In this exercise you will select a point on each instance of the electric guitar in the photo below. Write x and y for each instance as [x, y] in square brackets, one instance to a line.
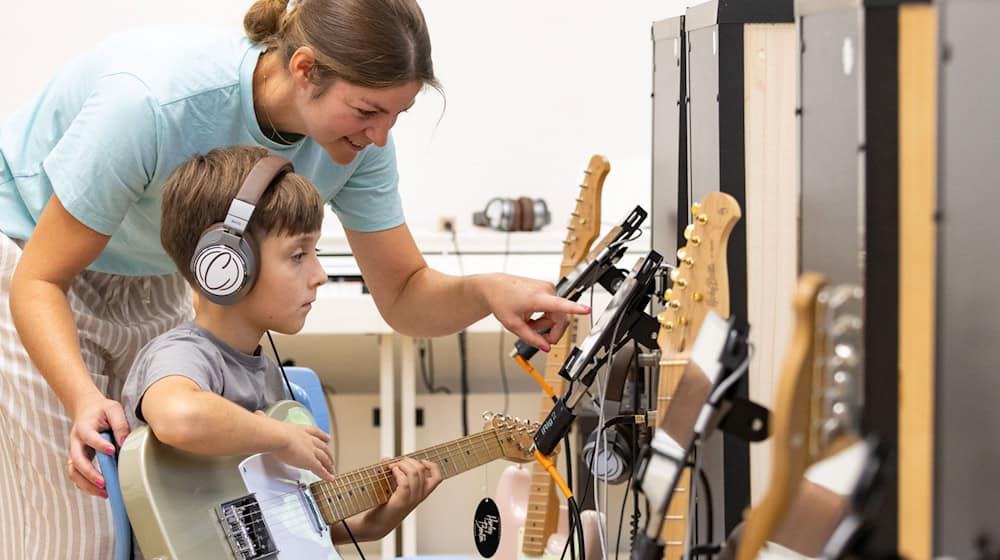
[700, 284]
[192, 507]
[817, 417]
[533, 509]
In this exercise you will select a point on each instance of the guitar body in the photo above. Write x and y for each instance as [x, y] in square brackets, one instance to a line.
[194, 507]
[512, 495]
[172, 498]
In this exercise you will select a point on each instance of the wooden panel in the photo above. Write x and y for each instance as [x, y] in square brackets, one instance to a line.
[772, 204]
[917, 242]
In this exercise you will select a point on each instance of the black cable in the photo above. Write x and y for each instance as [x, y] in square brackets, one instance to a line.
[428, 378]
[274, 349]
[708, 504]
[353, 540]
[621, 517]
[464, 376]
[569, 484]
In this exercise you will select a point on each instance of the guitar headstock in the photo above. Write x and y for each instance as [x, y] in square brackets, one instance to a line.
[585, 220]
[838, 379]
[700, 281]
[818, 404]
[515, 436]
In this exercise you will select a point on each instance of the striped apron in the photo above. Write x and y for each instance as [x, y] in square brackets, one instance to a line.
[42, 514]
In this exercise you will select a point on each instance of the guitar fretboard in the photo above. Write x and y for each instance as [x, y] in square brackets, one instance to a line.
[362, 489]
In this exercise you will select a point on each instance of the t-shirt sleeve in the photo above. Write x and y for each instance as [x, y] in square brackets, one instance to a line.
[369, 200]
[107, 155]
[168, 358]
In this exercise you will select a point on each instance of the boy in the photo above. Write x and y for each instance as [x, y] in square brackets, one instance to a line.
[198, 385]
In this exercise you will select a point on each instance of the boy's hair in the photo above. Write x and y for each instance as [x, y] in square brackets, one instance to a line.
[199, 191]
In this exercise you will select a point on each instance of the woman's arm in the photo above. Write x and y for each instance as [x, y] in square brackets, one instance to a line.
[184, 416]
[419, 301]
[59, 249]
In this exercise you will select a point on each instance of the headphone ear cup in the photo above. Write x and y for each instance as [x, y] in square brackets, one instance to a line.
[223, 265]
[616, 465]
[527, 213]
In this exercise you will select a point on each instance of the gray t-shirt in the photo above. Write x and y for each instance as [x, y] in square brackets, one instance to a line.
[189, 350]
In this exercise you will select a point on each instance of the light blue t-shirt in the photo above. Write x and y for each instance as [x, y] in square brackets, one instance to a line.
[109, 128]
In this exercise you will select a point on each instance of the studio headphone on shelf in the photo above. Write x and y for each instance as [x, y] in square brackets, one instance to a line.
[225, 262]
[514, 214]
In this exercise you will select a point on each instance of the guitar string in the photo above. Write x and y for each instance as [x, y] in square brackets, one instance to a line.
[437, 452]
[381, 479]
[294, 507]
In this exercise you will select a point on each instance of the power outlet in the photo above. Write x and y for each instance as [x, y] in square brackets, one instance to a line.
[446, 223]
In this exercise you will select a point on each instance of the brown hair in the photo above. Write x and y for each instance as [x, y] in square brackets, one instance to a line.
[199, 191]
[369, 43]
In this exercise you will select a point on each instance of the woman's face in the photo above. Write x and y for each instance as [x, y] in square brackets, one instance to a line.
[346, 118]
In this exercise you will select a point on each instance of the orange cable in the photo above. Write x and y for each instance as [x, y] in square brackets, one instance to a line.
[534, 373]
[549, 466]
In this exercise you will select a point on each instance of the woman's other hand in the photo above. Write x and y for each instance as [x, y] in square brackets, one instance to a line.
[91, 417]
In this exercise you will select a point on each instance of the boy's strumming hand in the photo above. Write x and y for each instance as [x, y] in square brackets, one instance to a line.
[306, 447]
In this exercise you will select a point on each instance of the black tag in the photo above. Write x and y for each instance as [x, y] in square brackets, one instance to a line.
[486, 528]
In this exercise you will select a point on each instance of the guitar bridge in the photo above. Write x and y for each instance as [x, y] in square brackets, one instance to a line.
[243, 523]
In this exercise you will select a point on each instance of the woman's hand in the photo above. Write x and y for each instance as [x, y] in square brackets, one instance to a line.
[415, 480]
[92, 416]
[514, 301]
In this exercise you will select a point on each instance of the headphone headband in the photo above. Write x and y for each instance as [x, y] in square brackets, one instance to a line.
[266, 172]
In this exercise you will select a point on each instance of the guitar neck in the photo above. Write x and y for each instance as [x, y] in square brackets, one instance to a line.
[675, 524]
[362, 489]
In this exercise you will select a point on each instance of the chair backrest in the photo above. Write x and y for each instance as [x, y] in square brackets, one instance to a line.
[314, 399]
[119, 518]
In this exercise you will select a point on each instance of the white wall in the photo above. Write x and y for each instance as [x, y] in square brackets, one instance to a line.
[533, 89]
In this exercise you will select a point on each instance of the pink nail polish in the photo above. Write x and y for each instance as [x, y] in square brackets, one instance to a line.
[100, 483]
[109, 450]
[122, 442]
[103, 494]
[544, 348]
[587, 309]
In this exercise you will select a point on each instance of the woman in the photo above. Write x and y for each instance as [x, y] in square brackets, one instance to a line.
[320, 82]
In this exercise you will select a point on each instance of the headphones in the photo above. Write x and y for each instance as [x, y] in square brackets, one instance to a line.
[514, 214]
[225, 261]
[615, 463]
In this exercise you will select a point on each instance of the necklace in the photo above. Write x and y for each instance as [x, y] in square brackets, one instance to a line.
[273, 134]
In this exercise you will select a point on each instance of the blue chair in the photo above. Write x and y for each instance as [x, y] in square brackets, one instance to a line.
[306, 389]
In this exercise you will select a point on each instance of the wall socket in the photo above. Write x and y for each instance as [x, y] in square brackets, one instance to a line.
[446, 223]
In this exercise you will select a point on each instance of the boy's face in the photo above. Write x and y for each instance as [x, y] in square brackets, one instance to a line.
[290, 273]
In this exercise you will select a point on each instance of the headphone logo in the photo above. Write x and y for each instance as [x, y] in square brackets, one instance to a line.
[220, 270]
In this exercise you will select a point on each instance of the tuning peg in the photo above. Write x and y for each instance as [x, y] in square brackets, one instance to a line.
[702, 219]
[675, 274]
[681, 283]
[487, 416]
[688, 231]
[688, 261]
[681, 253]
[696, 209]
[695, 240]
[667, 294]
[674, 304]
[697, 296]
